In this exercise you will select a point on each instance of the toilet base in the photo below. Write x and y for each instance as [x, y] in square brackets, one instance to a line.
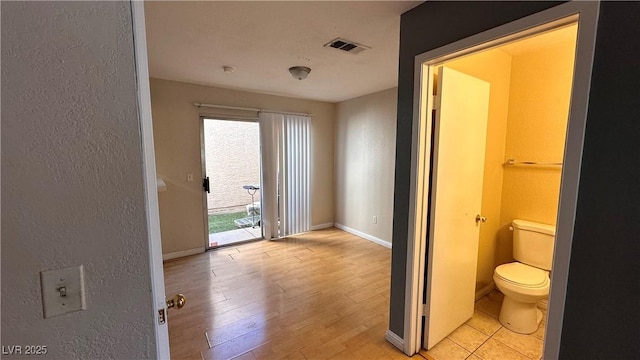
[523, 318]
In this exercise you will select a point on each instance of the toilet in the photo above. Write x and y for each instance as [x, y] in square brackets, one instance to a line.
[526, 281]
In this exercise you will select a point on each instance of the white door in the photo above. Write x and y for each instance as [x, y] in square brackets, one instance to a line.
[158, 309]
[462, 107]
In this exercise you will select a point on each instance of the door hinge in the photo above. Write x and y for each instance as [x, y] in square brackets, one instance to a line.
[434, 104]
[425, 310]
[162, 316]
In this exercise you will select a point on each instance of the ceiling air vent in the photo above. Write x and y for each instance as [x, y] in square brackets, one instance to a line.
[346, 45]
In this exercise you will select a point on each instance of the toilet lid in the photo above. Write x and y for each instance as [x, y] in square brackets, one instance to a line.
[523, 275]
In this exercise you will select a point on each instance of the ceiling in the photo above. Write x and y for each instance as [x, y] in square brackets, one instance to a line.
[191, 42]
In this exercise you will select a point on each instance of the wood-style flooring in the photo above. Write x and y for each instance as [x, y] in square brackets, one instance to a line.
[320, 295]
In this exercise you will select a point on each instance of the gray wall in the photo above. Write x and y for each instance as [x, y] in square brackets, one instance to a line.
[72, 179]
[427, 27]
[601, 316]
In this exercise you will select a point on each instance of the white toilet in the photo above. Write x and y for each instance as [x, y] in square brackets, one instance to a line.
[526, 281]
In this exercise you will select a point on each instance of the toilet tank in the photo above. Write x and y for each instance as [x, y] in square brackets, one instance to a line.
[533, 243]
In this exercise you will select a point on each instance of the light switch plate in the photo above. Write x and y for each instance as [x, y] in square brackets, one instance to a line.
[62, 291]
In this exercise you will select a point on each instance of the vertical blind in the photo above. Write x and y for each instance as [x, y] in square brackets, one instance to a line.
[285, 180]
[269, 143]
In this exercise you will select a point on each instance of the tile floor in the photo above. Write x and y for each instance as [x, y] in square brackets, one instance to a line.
[234, 236]
[483, 337]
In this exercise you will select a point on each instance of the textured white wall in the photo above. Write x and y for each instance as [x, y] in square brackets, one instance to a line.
[72, 179]
[232, 152]
[365, 162]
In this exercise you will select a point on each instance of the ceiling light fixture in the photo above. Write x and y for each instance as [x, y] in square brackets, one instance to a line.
[299, 72]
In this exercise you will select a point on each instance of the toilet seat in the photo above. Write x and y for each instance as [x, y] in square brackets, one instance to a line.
[522, 275]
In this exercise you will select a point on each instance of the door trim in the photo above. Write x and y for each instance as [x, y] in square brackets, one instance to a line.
[152, 209]
[205, 207]
[586, 15]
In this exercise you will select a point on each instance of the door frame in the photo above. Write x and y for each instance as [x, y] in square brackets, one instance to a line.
[205, 207]
[152, 210]
[586, 15]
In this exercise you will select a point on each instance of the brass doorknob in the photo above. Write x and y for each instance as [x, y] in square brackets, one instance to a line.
[177, 301]
[480, 218]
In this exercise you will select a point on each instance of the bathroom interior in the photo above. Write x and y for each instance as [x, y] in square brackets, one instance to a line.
[530, 89]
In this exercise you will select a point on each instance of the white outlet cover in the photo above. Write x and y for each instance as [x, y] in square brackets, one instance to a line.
[71, 281]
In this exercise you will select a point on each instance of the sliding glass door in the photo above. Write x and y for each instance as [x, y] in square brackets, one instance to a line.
[231, 164]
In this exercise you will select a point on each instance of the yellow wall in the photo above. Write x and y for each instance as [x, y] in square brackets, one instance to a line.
[176, 129]
[492, 66]
[528, 112]
[536, 129]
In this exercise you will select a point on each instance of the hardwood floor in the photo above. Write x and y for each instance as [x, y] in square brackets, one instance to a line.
[320, 295]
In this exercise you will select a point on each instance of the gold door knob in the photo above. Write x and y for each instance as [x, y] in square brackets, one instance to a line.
[177, 301]
[480, 218]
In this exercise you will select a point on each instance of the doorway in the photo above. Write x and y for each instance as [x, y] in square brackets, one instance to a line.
[231, 166]
[425, 166]
[499, 138]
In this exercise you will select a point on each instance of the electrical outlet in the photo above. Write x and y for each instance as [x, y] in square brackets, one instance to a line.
[375, 219]
[189, 176]
[62, 291]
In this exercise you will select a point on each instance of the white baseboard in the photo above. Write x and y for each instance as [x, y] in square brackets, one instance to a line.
[363, 235]
[395, 340]
[321, 226]
[183, 253]
[485, 290]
